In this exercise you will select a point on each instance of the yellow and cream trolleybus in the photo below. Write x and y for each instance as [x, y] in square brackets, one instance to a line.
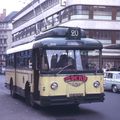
[60, 67]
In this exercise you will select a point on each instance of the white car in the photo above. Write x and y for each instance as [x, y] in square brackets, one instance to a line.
[112, 80]
[3, 70]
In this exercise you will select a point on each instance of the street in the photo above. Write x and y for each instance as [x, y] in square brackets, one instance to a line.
[16, 109]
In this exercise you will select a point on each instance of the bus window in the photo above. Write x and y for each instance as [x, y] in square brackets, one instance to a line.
[78, 60]
[44, 62]
[58, 59]
[54, 61]
[93, 60]
[29, 63]
[62, 61]
[71, 60]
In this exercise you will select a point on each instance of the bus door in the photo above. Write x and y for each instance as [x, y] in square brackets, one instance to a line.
[36, 73]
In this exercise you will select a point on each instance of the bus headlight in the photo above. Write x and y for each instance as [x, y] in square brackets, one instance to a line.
[54, 86]
[96, 84]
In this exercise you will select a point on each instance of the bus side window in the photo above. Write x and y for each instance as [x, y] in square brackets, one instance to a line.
[30, 63]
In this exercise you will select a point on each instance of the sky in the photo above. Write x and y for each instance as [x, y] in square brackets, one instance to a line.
[12, 5]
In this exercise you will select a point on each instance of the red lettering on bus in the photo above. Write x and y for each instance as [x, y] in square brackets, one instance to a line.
[82, 78]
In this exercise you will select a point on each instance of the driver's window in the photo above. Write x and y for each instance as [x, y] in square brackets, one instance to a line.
[54, 59]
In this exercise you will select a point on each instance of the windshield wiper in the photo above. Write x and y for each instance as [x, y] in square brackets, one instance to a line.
[64, 68]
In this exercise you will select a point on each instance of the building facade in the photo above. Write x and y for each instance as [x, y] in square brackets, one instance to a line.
[99, 18]
[3, 15]
[5, 40]
[5, 37]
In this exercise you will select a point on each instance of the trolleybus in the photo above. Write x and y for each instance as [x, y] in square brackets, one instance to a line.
[60, 67]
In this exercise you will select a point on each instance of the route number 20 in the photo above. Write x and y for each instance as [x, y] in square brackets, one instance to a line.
[74, 33]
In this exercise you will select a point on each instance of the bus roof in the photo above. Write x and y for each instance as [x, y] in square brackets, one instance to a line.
[61, 31]
[20, 48]
[60, 37]
[84, 43]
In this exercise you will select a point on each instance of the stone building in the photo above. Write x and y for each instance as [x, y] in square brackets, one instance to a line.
[5, 36]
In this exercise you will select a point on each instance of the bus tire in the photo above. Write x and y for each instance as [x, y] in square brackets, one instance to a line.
[32, 103]
[28, 96]
[12, 91]
[114, 89]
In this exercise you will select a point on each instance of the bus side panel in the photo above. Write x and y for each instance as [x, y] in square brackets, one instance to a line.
[22, 77]
[9, 75]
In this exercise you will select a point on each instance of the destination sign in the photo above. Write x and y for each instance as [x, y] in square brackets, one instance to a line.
[74, 33]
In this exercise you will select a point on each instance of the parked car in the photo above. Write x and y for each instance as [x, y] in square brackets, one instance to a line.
[112, 81]
[2, 70]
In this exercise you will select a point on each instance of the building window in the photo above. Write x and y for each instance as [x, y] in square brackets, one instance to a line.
[33, 29]
[102, 13]
[49, 21]
[79, 12]
[38, 10]
[118, 35]
[65, 15]
[39, 25]
[103, 35]
[28, 31]
[35, 12]
[118, 14]
[43, 25]
[56, 19]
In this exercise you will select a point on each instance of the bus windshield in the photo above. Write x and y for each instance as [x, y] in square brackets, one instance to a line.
[70, 60]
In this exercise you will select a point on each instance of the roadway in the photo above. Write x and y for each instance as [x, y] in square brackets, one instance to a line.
[16, 109]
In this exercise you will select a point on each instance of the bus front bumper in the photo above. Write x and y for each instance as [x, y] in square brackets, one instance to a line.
[63, 100]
